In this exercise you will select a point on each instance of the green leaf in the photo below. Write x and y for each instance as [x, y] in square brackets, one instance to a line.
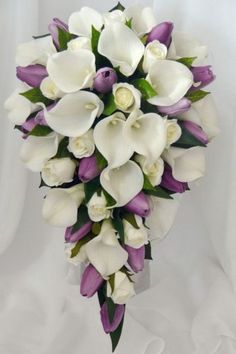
[78, 245]
[119, 6]
[188, 61]
[128, 23]
[115, 336]
[187, 140]
[155, 191]
[96, 228]
[110, 201]
[63, 38]
[40, 130]
[82, 218]
[131, 219]
[90, 188]
[195, 96]
[111, 309]
[101, 295]
[62, 149]
[42, 36]
[145, 88]
[110, 106]
[112, 282]
[148, 251]
[94, 40]
[101, 161]
[118, 224]
[35, 95]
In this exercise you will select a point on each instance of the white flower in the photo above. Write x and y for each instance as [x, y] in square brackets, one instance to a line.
[152, 169]
[58, 171]
[81, 257]
[36, 150]
[173, 132]
[79, 43]
[143, 18]
[61, 205]
[81, 22]
[154, 51]
[134, 237]
[36, 51]
[75, 113]
[116, 15]
[121, 46]
[123, 289]
[104, 251]
[82, 146]
[72, 71]
[50, 90]
[187, 164]
[126, 96]
[122, 183]
[171, 80]
[97, 208]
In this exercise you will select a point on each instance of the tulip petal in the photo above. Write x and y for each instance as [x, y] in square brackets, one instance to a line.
[81, 22]
[123, 183]
[143, 18]
[113, 45]
[171, 80]
[75, 113]
[108, 136]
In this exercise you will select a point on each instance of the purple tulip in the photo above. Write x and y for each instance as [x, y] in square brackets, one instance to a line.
[119, 314]
[53, 29]
[39, 119]
[139, 205]
[136, 258]
[195, 130]
[104, 80]
[178, 108]
[88, 169]
[170, 183]
[91, 281]
[32, 74]
[162, 33]
[202, 74]
[76, 236]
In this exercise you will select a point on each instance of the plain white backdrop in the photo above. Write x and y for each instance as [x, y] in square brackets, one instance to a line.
[190, 307]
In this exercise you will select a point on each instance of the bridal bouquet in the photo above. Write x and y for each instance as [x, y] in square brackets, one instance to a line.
[114, 117]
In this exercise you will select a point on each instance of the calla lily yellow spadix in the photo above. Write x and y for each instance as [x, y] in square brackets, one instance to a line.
[115, 119]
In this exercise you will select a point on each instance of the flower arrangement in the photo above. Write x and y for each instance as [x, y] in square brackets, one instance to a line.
[115, 119]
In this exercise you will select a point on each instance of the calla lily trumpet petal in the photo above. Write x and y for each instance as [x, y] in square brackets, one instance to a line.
[143, 18]
[81, 22]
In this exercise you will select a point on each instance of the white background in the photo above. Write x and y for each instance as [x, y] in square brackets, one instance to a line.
[191, 305]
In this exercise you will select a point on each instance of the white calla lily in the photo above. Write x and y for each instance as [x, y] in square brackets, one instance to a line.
[49, 89]
[72, 71]
[104, 251]
[146, 134]
[116, 15]
[153, 51]
[109, 139]
[173, 132]
[127, 98]
[81, 22]
[79, 43]
[143, 18]
[36, 150]
[113, 45]
[75, 113]
[122, 183]
[187, 164]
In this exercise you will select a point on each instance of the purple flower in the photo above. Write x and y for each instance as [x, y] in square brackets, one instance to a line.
[91, 281]
[139, 205]
[76, 236]
[53, 29]
[162, 33]
[118, 315]
[195, 130]
[88, 169]
[32, 74]
[178, 108]
[136, 258]
[202, 74]
[170, 183]
[39, 119]
[104, 80]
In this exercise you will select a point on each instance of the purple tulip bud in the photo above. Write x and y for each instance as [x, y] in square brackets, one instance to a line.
[202, 74]
[53, 29]
[195, 130]
[91, 281]
[170, 183]
[39, 119]
[178, 108]
[139, 205]
[162, 33]
[118, 315]
[76, 236]
[136, 258]
[104, 80]
[32, 74]
[88, 169]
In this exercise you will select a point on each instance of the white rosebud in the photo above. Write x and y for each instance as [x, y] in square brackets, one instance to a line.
[79, 43]
[97, 208]
[58, 171]
[154, 51]
[173, 132]
[134, 237]
[152, 169]
[116, 15]
[50, 90]
[82, 146]
[81, 257]
[123, 289]
[127, 97]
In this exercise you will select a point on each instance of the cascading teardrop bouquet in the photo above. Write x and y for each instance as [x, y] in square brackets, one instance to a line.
[114, 118]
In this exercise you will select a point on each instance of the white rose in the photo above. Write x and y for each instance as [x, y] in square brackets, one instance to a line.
[152, 169]
[82, 146]
[79, 43]
[135, 238]
[50, 90]
[81, 257]
[127, 97]
[154, 51]
[97, 208]
[58, 171]
[116, 15]
[123, 289]
[173, 132]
